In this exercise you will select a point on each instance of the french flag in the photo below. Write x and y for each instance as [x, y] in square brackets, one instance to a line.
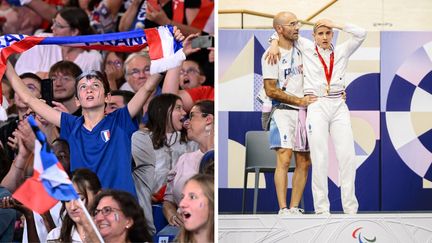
[49, 182]
[165, 51]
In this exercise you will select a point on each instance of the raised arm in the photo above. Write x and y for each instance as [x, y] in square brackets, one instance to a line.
[48, 113]
[143, 94]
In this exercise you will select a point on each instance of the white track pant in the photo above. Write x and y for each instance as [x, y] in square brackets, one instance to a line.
[330, 116]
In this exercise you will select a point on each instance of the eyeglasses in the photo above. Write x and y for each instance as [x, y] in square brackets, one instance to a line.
[189, 71]
[107, 210]
[55, 24]
[192, 115]
[116, 63]
[136, 72]
[63, 79]
[293, 24]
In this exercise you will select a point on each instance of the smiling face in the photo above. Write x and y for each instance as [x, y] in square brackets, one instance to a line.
[177, 115]
[195, 207]
[190, 75]
[137, 72]
[72, 207]
[323, 37]
[91, 93]
[111, 221]
[63, 86]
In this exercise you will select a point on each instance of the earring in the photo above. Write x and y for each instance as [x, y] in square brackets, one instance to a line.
[207, 130]
[127, 226]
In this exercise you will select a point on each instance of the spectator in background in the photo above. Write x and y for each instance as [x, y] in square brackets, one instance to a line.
[156, 149]
[117, 100]
[62, 151]
[142, 14]
[191, 74]
[137, 71]
[63, 75]
[114, 69]
[200, 130]
[18, 20]
[9, 94]
[87, 185]
[190, 96]
[40, 58]
[197, 207]
[33, 84]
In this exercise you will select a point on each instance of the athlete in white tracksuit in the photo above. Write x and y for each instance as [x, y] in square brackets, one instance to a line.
[329, 115]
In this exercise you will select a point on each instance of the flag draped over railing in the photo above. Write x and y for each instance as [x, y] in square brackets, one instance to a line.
[49, 183]
[164, 50]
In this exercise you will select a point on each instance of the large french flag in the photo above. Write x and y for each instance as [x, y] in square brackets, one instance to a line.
[165, 51]
[49, 182]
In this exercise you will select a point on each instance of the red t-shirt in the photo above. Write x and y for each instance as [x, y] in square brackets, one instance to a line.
[201, 93]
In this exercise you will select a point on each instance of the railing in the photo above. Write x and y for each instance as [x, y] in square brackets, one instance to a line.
[242, 12]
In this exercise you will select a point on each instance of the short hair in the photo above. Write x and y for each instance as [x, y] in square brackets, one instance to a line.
[65, 67]
[132, 56]
[94, 74]
[32, 76]
[126, 94]
[138, 232]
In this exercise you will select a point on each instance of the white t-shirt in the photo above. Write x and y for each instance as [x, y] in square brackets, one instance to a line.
[55, 234]
[288, 72]
[40, 58]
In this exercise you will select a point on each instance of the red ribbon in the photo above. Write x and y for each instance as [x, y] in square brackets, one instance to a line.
[328, 73]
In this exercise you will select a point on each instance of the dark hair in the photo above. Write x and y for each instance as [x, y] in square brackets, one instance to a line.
[32, 76]
[78, 19]
[93, 74]
[65, 67]
[159, 113]
[122, 56]
[206, 183]
[205, 106]
[84, 179]
[138, 232]
[207, 163]
[126, 94]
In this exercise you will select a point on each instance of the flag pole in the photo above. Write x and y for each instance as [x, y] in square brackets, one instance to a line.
[83, 207]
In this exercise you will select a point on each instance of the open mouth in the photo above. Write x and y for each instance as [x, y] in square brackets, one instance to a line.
[90, 98]
[186, 215]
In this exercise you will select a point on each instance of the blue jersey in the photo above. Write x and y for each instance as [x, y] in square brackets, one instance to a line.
[106, 149]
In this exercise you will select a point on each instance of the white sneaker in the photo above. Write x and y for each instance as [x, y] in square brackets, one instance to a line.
[284, 211]
[296, 211]
[325, 213]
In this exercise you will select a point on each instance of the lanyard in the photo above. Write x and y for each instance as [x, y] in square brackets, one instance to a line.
[328, 73]
[290, 68]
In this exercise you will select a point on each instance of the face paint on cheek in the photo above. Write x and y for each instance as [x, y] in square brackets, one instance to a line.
[116, 217]
[201, 205]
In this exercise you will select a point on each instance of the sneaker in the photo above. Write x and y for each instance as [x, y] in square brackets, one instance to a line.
[325, 213]
[296, 211]
[284, 212]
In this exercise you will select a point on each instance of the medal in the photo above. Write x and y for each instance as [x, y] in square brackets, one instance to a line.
[327, 92]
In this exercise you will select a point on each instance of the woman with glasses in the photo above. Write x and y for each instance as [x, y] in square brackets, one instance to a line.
[113, 64]
[156, 149]
[200, 130]
[197, 210]
[119, 218]
[87, 185]
[71, 21]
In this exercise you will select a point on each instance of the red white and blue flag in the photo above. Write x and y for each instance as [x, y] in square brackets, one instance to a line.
[164, 50]
[49, 182]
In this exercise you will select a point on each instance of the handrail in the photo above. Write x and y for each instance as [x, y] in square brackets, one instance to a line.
[254, 13]
[265, 15]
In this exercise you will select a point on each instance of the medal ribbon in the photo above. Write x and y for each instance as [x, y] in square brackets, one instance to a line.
[328, 73]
